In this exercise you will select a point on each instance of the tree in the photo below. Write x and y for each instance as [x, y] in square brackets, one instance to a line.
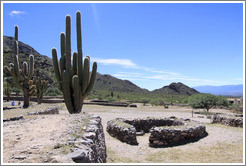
[206, 101]
[145, 101]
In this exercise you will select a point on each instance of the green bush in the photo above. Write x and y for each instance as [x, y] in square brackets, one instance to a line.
[110, 99]
[145, 100]
[52, 92]
[206, 101]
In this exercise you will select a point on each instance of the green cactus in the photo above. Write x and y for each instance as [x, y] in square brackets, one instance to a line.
[74, 79]
[21, 73]
[41, 86]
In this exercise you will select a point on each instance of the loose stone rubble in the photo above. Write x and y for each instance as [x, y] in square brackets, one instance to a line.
[164, 132]
[235, 121]
[51, 110]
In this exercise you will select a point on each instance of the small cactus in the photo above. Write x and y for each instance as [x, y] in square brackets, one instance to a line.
[41, 87]
[21, 73]
[74, 79]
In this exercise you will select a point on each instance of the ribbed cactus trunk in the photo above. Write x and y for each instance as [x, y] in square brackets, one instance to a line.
[21, 73]
[39, 100]
[74, 78]
[26, 99]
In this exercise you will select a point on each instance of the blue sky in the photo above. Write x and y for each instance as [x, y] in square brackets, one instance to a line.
[151, 45]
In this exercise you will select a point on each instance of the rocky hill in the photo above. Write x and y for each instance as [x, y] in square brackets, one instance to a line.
[110, 83]
[176, 89]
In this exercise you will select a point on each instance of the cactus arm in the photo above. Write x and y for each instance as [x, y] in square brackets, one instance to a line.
[76, 91]
[86, 73]
[79, 47]
[13, 73]
[7, 69]
[16, 32]
[93, 78]
[25, 69]
[56, 66]
[75, 63]
[16, 48]
[63, 44]
[68, 44]
[67, 91]
[31, 67]
[63, 54]
[16, 65]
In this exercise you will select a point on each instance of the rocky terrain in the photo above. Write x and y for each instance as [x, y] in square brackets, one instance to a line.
[34, 139]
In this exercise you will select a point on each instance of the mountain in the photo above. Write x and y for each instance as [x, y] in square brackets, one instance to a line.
[224, 90]
[176, 89]
[110, 83]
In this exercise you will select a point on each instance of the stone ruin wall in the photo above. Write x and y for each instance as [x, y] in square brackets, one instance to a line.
[228, 120]
[163, 132]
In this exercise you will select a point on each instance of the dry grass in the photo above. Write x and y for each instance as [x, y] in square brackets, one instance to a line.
[115, 158]
[220, 153]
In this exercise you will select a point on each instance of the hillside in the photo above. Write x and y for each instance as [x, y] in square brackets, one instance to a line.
[176, 89]
[110, 83]
[224, 90]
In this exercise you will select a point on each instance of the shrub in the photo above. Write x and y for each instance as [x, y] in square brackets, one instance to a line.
[206, 101]
[145, 101]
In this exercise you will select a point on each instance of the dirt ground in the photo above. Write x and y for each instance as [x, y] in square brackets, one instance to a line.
[32, 140]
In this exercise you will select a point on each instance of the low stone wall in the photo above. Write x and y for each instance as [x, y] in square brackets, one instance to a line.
[228, 120]
[176, 135]
[163, 132]
[91, 147]
[86, 142]
[122, 131]
[146, 124]
[13, 119]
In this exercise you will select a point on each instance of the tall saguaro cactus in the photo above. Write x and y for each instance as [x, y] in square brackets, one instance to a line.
[21, 73]
[74, 78]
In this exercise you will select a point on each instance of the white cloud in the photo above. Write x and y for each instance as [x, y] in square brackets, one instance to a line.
[16, 13]
[153, 74]
[122, 62]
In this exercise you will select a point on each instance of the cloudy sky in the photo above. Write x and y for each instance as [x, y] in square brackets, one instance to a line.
[150, 44]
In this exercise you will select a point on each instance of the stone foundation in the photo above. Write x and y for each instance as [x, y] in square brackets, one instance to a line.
[122, 131]
[190, 131]
[163, 132]
[228, 120]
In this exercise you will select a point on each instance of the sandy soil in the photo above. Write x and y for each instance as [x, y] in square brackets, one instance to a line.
[33, 139]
